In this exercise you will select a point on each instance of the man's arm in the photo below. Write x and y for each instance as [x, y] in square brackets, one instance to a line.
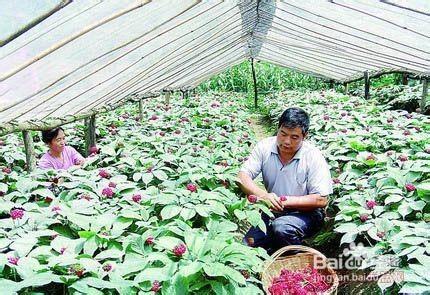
[249, 187]
[305, 203]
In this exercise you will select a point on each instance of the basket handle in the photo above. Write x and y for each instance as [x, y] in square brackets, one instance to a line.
[282, 250]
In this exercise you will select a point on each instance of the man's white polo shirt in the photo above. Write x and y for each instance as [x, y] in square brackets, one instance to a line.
[307, 173]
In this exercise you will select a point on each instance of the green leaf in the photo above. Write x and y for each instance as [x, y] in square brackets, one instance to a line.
[385, 281]
[39, 279]
[90, 246]
[423, 191]
[137, 176]
[111, 254]
[147, 178]
[187, 213]
[202, 210]
[348, 238]
[190, 269]
[156, 273]
[168, 242]
[347, 227]
[414, 288]
[417, 205]
[254, 217]
[44, 192]
[160, 174]
[23, 245]
[239, 214]
[404, 208]
[220, 270]
[86, 234]
[170, 211]
[393, 199]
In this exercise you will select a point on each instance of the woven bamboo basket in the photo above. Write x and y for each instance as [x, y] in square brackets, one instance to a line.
[302, 257]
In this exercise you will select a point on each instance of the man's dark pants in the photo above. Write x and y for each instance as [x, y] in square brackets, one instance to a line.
[287, 228]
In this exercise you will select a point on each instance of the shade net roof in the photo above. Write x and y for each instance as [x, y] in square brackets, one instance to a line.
[71, 58]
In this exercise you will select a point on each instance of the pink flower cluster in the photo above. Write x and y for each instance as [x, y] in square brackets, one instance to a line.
[370, 204]
[103, 173]
[136, 198]
[17, 213]
[179, 250]
[191, 187]
[252, 198]
[410, 187]
[107, 192]
[13, 260]
[300, 282]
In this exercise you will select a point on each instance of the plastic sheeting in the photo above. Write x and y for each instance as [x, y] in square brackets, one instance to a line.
[91, 54]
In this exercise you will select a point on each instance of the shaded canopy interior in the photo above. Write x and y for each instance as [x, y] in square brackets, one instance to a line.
[92, 55]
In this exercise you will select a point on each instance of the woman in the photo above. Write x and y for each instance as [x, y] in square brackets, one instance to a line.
[59, 155]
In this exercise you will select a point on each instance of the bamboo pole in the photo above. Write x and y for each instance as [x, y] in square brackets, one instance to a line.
[167, 97]
[90, 133]
[12, 126]
[366, 85]
[404, 78]
[345, 85]
[424, 97]
[140, 109]
[29, 150]
[254, 79]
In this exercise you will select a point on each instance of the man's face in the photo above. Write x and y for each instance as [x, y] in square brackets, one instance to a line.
[57, 144]
[289, 139]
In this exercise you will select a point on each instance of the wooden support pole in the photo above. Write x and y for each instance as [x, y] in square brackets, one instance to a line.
[29, 150]
[254, 79]
[424, 98]
[90, 133]
[167, 97]
[405, 79]
[345, 86]
[140, 109]
[366, 85]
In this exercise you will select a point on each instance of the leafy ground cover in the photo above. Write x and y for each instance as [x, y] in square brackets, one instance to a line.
[380, 162]
[155, 209]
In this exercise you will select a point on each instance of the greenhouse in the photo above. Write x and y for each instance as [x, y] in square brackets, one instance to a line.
[214, 147]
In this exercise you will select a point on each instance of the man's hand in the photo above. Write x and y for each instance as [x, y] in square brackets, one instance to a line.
[274, 201]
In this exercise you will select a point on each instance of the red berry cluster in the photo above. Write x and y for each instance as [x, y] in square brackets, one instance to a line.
[300, 282]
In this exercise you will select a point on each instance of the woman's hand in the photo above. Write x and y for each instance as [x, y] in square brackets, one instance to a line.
[79, 162]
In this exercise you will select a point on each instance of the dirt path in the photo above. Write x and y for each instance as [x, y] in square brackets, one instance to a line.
[258, 128]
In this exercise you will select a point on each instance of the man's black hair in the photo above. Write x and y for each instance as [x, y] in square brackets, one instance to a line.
[48, 135]
[295, 117]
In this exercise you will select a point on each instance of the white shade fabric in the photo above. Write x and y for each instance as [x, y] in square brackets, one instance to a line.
[92, 53]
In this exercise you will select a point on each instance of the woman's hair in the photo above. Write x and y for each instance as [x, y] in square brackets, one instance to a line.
[48, 135]
[295, 117]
